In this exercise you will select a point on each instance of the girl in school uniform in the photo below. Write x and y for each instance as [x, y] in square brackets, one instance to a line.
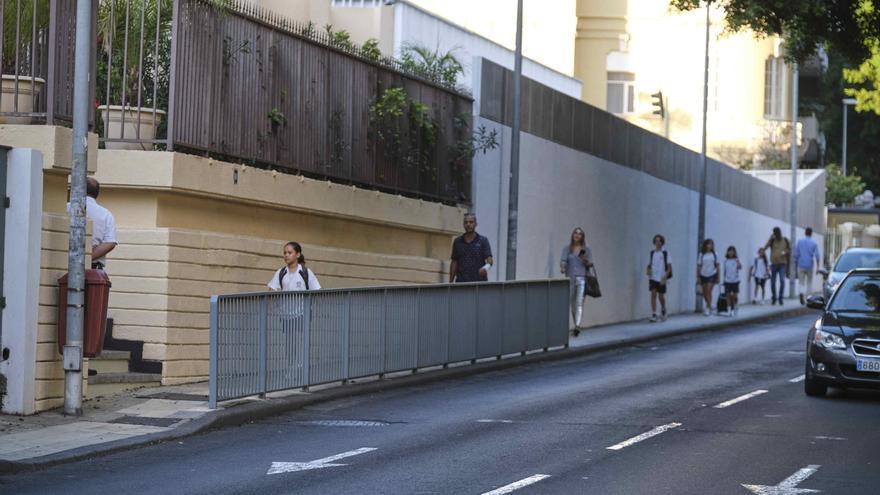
[732, 266]
[760, 273]
[294, 276]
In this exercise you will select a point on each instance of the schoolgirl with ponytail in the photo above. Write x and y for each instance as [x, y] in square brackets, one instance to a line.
[294, 275]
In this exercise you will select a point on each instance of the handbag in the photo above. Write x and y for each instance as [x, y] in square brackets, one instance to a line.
[591, 283]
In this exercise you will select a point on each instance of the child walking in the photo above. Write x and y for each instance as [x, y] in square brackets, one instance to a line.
[732, 266]
[659, 273]
[760, 272]
[707, 273]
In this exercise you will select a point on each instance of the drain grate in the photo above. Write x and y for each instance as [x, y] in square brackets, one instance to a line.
[343, 423]
[177, 396]
[145, 421]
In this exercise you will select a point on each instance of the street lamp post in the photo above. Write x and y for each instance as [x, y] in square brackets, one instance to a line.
[701, 222]
[513, 199]
[792, 276]
[846, 103]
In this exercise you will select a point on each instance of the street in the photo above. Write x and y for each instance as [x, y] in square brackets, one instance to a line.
[718, 413]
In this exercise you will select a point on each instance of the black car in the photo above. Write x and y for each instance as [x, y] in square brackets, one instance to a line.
[843, 347]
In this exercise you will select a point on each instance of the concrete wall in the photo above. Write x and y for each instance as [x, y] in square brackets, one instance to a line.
[190, 227]
[620, 209]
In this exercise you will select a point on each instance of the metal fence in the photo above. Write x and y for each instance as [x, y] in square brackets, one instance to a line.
[235, 81]
[264, 342]
[37, 42]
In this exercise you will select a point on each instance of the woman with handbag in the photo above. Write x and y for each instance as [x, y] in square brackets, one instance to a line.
[576, 262]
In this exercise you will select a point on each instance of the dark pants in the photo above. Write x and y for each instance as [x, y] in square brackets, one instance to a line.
[777, 270]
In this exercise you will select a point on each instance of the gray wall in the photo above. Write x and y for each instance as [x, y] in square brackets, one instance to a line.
[621, 207]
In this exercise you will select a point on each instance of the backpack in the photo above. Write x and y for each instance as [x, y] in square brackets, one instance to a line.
[665, 262]
[303, 274]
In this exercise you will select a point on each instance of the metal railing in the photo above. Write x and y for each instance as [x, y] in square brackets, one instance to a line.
[37, 39]
[238, 82]
[265, 342]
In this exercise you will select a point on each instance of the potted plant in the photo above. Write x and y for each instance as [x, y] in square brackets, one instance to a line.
[21, 85]
[132, 96]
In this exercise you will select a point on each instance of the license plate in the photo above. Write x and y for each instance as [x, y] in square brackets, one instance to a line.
[868, 365]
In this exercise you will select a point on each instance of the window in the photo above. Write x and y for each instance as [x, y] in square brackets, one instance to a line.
[358, 3]
[774, 88]
[621, 92]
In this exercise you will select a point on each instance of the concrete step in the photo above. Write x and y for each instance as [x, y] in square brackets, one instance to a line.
[104, 384]
[110, 362]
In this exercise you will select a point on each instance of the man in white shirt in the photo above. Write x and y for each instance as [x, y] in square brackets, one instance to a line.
[103, 225]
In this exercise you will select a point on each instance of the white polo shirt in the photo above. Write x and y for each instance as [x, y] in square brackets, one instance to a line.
[103, 225]
[293, 281]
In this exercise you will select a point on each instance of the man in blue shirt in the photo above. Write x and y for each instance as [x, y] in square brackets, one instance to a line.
[471, 254]
[805, 252]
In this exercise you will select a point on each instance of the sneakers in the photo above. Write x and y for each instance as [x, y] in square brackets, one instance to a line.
[802, 300]
[653, 318]
[707, 312]
[663, 316]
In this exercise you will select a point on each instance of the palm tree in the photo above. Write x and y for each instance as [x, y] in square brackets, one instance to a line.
[443, 68]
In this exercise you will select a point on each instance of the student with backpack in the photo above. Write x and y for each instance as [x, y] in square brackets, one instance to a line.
[760, 272]
[707, 273]
[732, 267]
[294, 276]
[659, 273]
[780, 252]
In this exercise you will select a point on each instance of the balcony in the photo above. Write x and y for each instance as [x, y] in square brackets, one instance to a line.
[224, 79]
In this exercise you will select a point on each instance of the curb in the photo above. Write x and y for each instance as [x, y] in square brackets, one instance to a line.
[244, 413]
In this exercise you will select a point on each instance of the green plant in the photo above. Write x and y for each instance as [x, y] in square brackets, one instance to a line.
[22, 15]
[480, 140]
[385, 114]
[370, 49]
[440, 67]
[840, 189]
[308, 30]
[276, 118]
[341, 39]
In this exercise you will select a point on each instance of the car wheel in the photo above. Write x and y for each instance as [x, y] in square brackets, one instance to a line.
[813, 387]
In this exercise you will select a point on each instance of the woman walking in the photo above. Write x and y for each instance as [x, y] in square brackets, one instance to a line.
[577, 257]
[707, 270]
[760, 273]
[732, 267]
[294, 276]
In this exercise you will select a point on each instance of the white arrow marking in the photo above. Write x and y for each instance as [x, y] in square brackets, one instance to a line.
[789, 485]
[740, 399]
[292, 467]
[516, 485]
[644, 436]
[798, 379]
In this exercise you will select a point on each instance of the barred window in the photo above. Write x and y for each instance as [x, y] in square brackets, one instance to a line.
[774, 88]
[620, 92]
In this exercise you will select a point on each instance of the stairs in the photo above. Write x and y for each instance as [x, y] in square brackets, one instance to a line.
[109, 374]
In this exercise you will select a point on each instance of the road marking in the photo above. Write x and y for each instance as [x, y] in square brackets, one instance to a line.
[841, 439]
[788, 485]
[292, 467]
[644, 436]
[798, 379]
[516, 485]
[739, 399]
[505, 421]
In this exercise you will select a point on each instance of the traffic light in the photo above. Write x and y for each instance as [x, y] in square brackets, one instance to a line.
[658, 103]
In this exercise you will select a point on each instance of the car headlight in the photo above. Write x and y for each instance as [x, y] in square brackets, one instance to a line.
[828, 340]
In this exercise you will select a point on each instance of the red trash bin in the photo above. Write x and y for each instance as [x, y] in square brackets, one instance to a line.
[95, 316]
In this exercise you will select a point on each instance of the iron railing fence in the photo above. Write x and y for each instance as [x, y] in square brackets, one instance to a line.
[232, 80]
[37, 44]
[265, 342]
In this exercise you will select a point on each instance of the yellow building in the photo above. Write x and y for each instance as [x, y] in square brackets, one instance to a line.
[627, 50]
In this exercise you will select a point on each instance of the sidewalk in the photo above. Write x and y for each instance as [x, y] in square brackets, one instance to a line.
[150, 415]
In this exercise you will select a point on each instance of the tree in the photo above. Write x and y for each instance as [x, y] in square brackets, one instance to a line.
[839, 189]
[850, 28]
[442, 68]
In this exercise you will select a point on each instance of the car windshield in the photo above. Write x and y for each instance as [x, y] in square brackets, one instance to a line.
[859, 293]
[855, 259]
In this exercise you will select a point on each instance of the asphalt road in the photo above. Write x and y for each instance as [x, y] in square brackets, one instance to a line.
[547, 426]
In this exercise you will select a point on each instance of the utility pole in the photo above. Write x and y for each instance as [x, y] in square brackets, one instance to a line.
[701, 222]
[73, 350]
[846, 103]
[513, 199]
[792, 275]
